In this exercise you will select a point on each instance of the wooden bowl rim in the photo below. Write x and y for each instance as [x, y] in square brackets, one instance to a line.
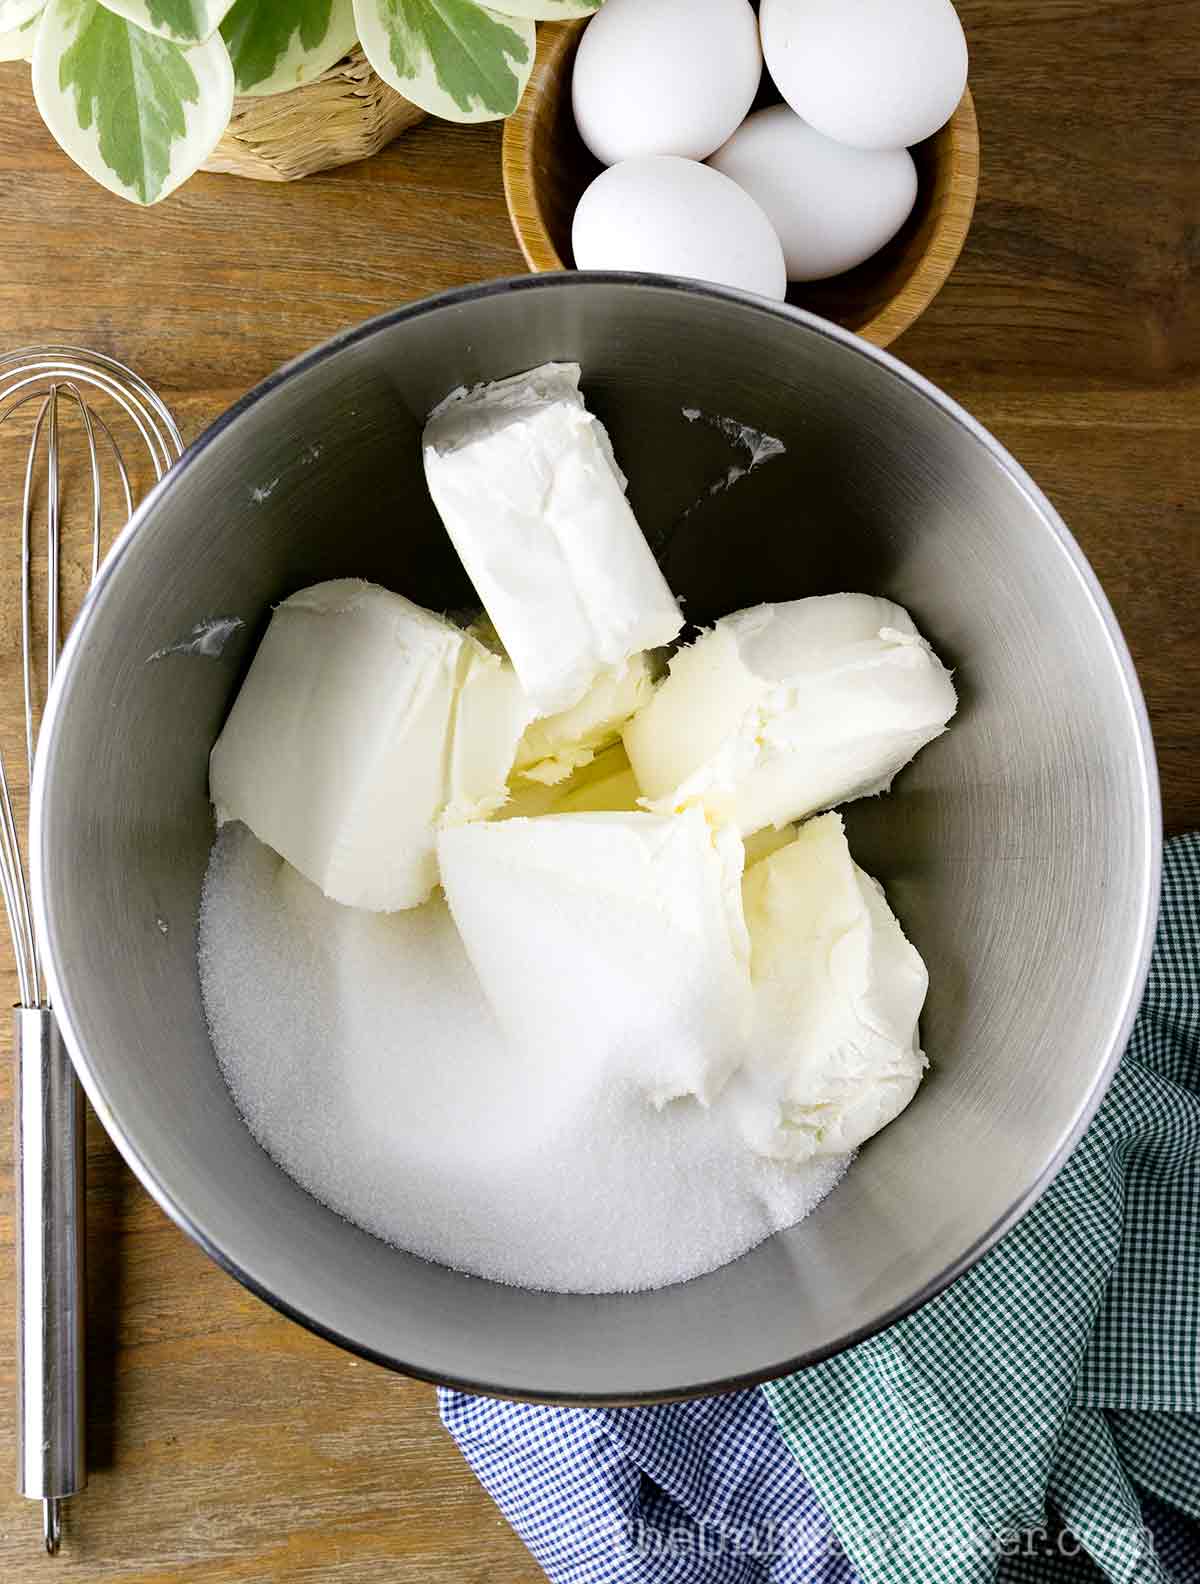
[521, 195]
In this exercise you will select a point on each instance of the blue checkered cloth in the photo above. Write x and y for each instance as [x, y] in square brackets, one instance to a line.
[692, 1491]
[1065, 1437]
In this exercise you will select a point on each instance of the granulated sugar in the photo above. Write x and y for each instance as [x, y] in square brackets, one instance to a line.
[365, 1059]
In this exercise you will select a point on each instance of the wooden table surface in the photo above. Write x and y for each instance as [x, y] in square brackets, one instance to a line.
[226, 1443]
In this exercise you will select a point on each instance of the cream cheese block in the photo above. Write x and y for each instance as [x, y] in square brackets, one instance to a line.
[532, 498]
[612, 945]
[780, 711]
[838, 990]
[555, 746]
[363, 724]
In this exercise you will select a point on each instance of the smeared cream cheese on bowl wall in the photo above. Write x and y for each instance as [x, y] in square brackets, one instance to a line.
[527, 945]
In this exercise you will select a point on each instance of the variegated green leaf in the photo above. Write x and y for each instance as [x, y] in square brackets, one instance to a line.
[18, 44]
[15, 13]
[278, 44]
[184, 21]
[139, 113]
[452, 57]
[547, 10]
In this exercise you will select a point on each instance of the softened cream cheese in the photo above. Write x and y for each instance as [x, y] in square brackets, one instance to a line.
[533, 500]
[364, 722]
[834, 1055]
[612, 943]
[780, 711]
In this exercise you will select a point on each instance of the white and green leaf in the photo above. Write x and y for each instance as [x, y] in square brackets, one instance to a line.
[183, 21]
[17, 44]
[15, 14]
[547, 10]
[454, 58]
[278, 44]
[136, 111]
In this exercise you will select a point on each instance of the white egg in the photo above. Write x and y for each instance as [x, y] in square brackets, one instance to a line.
[832, 206]
[665, 76]
[669, 216]
[877, 74]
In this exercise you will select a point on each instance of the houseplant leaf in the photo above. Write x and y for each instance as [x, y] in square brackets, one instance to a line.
[451, 57]
[139, 113]
[183, 21]
[17, 44]
[278, 44]
[547, 10]
[15, 13]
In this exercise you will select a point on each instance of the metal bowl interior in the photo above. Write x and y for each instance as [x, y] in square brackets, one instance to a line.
[1020, 850]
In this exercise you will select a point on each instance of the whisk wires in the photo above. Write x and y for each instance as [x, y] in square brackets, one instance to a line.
[62, 381]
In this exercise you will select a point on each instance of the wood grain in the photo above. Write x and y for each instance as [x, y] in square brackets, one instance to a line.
[228, 1446]
[546, 169]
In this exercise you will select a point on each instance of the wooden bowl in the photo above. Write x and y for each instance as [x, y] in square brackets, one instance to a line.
[547, 167]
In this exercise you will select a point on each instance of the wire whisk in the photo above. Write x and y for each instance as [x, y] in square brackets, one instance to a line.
[71, 391]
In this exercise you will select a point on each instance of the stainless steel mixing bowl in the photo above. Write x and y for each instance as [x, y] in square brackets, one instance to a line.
[1020, 850]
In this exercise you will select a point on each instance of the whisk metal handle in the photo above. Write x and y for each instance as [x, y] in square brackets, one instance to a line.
[50, 1266]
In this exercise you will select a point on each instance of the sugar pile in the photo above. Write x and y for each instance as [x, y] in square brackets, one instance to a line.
[366, 1061]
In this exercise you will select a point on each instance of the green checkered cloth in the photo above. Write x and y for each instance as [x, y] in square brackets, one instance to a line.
[1008, 1430]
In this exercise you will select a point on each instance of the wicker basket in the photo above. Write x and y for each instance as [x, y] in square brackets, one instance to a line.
[348, 113]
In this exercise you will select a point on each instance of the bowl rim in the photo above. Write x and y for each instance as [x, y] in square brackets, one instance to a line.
[1148, 847]
[946, 241]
